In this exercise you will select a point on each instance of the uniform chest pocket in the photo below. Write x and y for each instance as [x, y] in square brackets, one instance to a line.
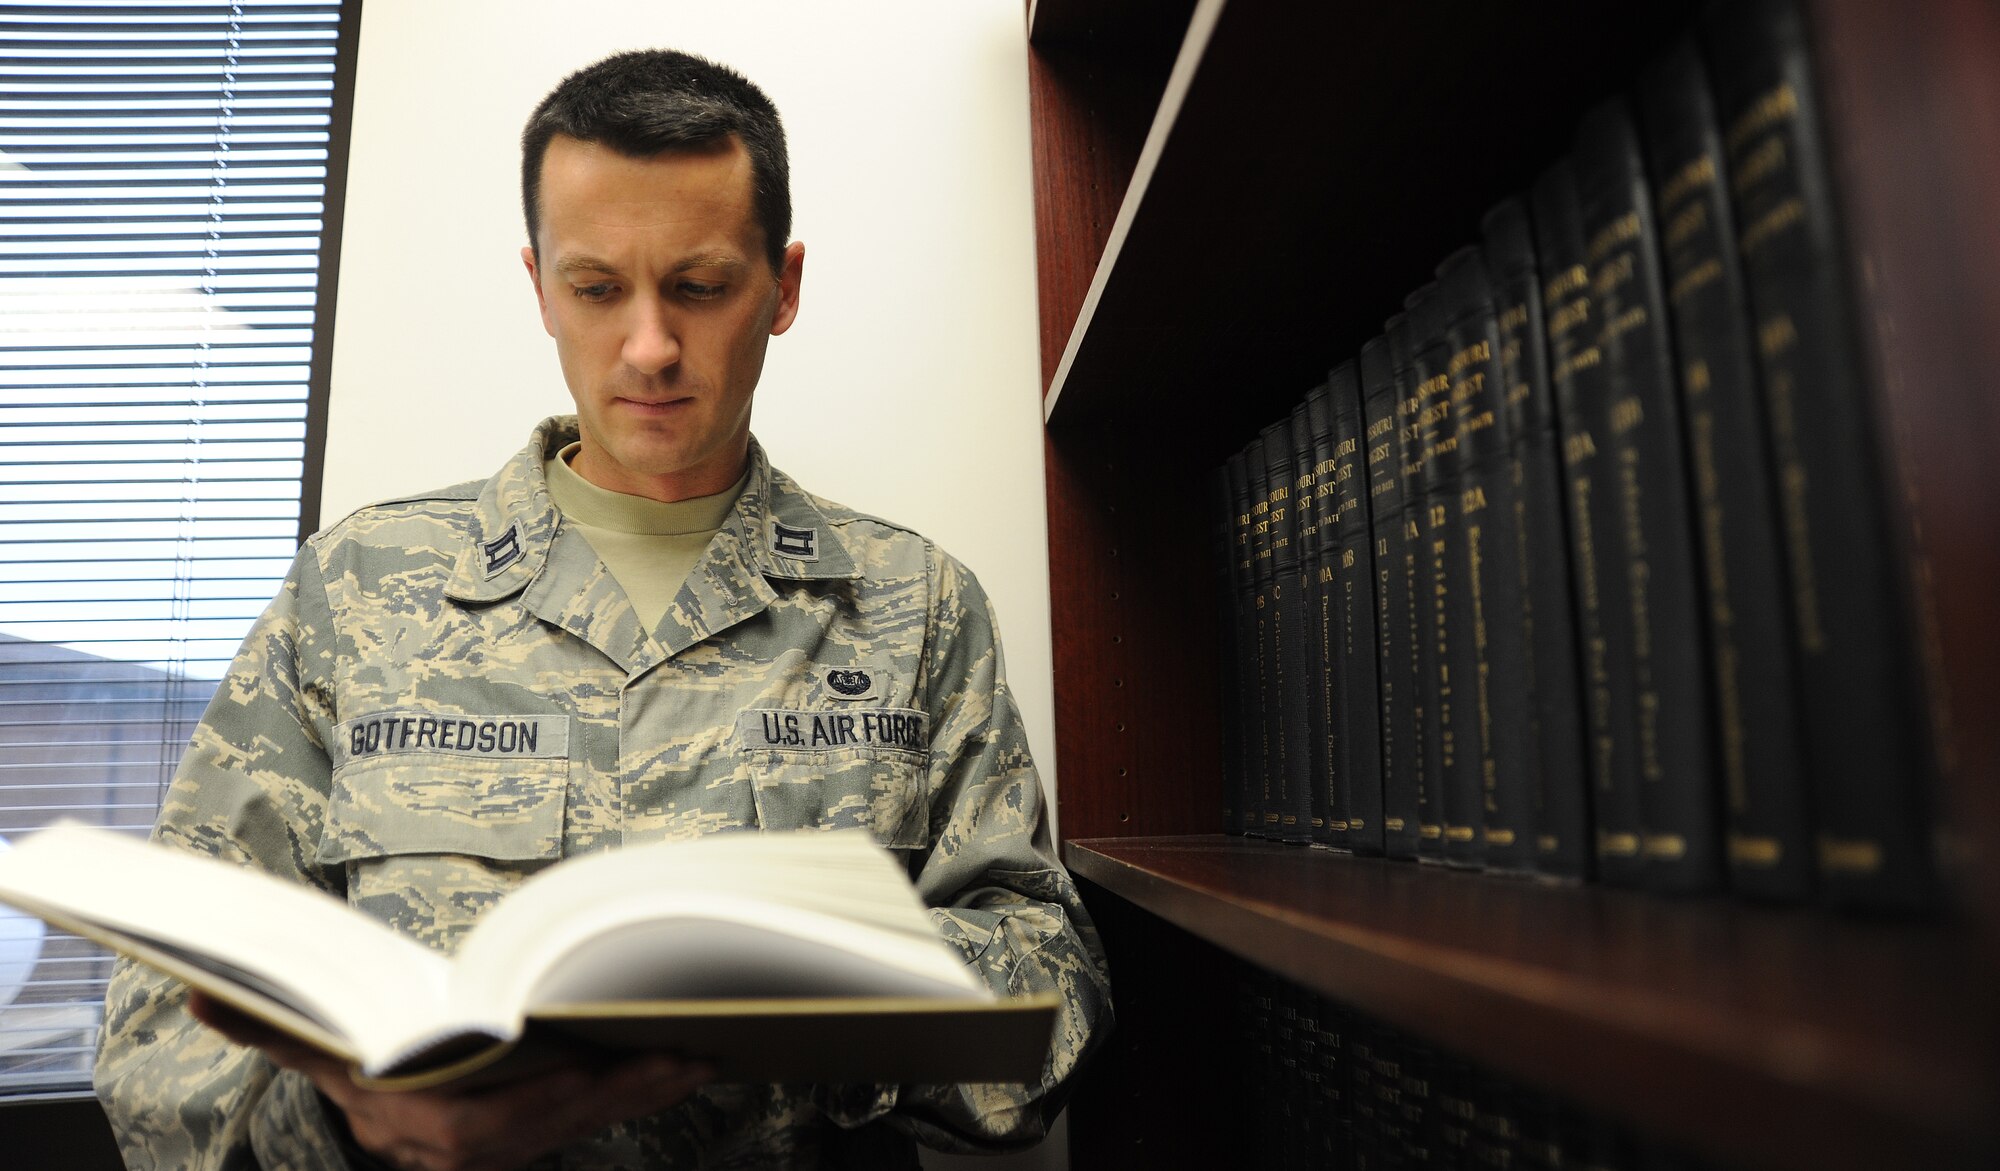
[415, 782]
[840, 770]
[430, 840]
[438, 803]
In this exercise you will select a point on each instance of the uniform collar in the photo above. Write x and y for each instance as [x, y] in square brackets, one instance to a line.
[776, 530]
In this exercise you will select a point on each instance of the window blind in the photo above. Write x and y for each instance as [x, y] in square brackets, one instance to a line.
[163, 184]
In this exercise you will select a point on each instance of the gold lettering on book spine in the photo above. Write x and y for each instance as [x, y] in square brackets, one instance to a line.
[1722, 616]
[1786, 214]
[1765, 111]
[1684, 225]
[1759, 164]
[1776, 338]
[1615, 234]
[1688, 180]
[1569, 280]
[1482, 700]
[1706, 273]
[1758, 852]
[1850, 855]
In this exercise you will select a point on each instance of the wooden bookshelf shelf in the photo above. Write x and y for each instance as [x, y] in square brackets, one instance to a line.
[1779, 1038]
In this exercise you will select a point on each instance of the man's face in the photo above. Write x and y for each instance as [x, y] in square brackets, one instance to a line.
[654, 280]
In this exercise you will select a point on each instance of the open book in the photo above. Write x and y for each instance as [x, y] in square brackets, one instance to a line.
[777, 957]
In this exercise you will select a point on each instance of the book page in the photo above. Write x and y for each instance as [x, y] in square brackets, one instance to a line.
[269, 940]
[813, 914]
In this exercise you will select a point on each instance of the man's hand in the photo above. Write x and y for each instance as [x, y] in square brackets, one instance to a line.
[492, 1128]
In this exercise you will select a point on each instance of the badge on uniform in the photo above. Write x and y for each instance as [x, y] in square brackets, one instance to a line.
[503, 550]
[787, 541]
[850, 683]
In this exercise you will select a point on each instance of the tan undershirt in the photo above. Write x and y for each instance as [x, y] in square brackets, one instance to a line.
[648, 545]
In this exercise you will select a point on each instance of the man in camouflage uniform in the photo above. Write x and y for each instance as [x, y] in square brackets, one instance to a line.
[455, 689]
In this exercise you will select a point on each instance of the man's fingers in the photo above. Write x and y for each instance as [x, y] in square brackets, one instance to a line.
[577, 1103]
[492, 1126]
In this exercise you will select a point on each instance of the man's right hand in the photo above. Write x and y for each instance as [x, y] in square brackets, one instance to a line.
[491, 1128]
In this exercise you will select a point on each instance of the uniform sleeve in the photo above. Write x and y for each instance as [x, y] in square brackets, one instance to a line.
[995, 886]
[252, 788]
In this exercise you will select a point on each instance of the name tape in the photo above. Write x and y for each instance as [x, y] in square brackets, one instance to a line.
[782, 730]
[384, 733]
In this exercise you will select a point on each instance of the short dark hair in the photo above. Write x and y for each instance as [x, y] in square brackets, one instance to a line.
[652, 100]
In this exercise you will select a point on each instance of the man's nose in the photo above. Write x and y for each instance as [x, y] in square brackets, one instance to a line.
[652, 341]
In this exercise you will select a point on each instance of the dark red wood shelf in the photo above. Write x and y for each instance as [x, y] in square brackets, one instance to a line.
[1774, 1037]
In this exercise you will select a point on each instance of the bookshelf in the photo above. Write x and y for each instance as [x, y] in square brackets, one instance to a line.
[1231, 196]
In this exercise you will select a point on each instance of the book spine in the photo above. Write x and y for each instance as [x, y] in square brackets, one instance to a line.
[1576, 376]
[1561, 793]
[1243, 580]
[1682, 841]
[1261, 808]
[1332, 1025]
[1315, 743]
[1487, 513]
[1287, 615]
[1222, 554]
[1330, 733]
[1758, 747]
[1870, 756]
[1353, 557]
[1396, 736]
[1453, 736]
[1418, 643]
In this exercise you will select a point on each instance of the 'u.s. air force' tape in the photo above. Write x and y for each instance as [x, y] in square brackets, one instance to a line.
[496, 737]
[784, 730]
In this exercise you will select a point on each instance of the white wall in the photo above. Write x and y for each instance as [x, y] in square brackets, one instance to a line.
[909, 386]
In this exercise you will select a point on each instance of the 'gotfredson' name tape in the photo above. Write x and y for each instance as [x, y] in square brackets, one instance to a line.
[385, 733]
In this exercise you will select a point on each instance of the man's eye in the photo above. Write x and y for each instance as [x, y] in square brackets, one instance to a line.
[596, 292]
[701, 291]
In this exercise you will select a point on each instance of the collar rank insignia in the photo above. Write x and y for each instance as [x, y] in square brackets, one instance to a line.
[790, 542]
[503, 550]
[849, 684]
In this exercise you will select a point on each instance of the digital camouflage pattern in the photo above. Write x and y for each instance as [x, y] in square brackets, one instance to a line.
[451, 692]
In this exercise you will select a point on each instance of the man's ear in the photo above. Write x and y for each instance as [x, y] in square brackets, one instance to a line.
[789, 276]
[535, 279]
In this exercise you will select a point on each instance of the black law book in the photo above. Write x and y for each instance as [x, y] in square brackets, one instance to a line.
[1331, 1025]
[1330, 824]
[1682, 840]
[1452, 738]
[1249, 762]
[1562, 789]
[1871, 758]
[1488, 516]
[1285, 615]
[1358, 700]
[1222, 555]
[1368, 1129]
[1257, 1037]
[1603, 621]
[1286, 1113]
[1421, 646]
[1758, 747]
[1396, 719]
[1267, 765]
[1315, 738]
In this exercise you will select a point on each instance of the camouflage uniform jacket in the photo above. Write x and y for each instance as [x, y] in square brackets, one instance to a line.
[348, 748]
